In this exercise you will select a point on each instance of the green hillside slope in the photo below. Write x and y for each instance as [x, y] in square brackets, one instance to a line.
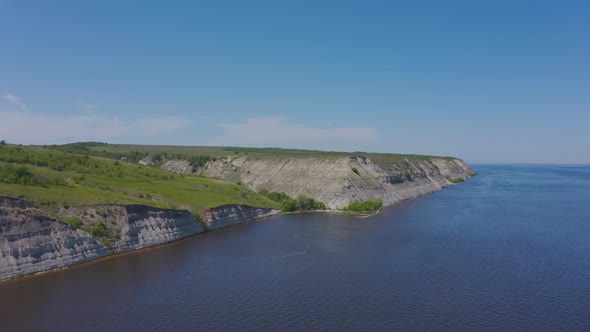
[52, 179]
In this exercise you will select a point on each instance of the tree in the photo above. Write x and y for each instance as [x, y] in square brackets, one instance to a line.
[3, 142]
[302, 202]
[289, 205]
[371, 205]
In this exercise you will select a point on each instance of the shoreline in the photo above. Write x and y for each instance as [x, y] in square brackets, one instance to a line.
[360, 215]
[136, 251]
[334, 211]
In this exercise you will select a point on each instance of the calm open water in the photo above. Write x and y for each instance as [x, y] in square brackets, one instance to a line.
[507, 250]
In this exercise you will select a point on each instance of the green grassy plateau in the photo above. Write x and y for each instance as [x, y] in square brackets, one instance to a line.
[135, 153]
[52, 179]
[96, 148]
[92, 173]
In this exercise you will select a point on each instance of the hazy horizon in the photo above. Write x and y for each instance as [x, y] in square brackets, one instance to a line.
[501, 82]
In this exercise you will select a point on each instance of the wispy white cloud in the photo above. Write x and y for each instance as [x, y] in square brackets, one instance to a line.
[16, 101]
[37, 128]
[275, 131]
[86, 107]
[20, 125]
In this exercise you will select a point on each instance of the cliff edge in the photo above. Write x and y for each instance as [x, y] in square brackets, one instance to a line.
[32, 242]
[335, 181]
[167, 208]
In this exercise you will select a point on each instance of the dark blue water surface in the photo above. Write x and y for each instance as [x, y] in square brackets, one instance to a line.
[507, 250]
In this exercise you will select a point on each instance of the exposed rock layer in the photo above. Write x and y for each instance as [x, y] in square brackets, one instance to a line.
[138, 226]
[31, 242]
[230, 215]
[335, 181]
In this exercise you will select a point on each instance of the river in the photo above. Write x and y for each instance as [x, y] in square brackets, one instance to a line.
[506, 250]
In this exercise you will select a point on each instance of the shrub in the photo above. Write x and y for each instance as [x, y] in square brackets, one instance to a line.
[288, 204]
[102, 233]
[454, 180]
[371, 205]
[275, 196]
[98, 229]
[81, 164]
[198, 161]
[18, 175]
[354, 169]
[73, 221]
[395, 179]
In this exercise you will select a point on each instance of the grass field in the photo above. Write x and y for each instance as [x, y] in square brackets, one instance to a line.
[72, 179]
[161, 153]
[94, 173]
[216, 151]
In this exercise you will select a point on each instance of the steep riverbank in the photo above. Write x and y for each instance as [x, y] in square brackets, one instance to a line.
[335, 181]
[31, 242]
[77, 208]
[507, 251]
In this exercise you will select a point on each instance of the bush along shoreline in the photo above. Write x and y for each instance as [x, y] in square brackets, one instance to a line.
[303, 203]
[368, 206]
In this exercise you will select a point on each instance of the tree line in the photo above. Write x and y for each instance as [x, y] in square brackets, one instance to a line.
[61, 161]
[289, 204]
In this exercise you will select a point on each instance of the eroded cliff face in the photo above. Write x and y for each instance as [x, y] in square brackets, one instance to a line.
[230, 215]
[31, 242]
[133, 227]
[336, 181]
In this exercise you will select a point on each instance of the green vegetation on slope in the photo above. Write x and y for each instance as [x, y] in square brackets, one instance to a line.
[81, 164]
[171, 151]
[371, 205]
[113, 152]
[288, 204]
[18, 175]
[53, 179]
[198, 156]
[454, 180]
[94, 149]
[100, 231]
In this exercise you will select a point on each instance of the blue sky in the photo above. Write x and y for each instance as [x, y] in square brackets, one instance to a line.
[488, 81]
